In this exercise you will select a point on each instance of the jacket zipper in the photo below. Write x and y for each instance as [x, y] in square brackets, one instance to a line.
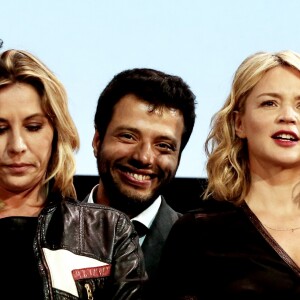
[89, 291]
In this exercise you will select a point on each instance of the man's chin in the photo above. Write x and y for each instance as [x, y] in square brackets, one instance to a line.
[135, 196]
[132, 204]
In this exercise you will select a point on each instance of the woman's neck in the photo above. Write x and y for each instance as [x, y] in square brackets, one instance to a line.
[276, 195]
[26, 203]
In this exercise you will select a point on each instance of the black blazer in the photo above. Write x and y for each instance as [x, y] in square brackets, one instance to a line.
[154, 242]
[155, 238]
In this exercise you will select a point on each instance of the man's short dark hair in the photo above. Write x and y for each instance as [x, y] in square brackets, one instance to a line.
[155, 87]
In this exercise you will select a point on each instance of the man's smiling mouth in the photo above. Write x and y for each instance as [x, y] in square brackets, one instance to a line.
[139, 177]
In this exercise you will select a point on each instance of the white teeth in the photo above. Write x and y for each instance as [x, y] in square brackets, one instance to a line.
[286, 136]
[139, 176]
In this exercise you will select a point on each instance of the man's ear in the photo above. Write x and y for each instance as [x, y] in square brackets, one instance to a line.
[96, 142]
[238, 125]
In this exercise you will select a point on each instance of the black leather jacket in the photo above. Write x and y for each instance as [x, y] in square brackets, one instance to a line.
[87, 251]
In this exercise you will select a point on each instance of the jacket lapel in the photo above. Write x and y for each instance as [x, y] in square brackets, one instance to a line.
[158, 233]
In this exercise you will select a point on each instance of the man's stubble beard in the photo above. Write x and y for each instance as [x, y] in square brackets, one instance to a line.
[121, 198]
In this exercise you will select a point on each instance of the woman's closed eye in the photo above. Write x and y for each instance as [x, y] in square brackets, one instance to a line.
[3, 129]
[34, 127]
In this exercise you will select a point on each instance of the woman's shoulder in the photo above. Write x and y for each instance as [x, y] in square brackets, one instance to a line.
[212, 211]
[92, 210]
[92, 207]
[95, 216]
[212, 206]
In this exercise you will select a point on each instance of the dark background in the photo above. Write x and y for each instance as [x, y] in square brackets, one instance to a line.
[183, 194]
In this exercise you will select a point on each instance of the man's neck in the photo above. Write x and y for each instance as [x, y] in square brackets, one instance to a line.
[100, 197]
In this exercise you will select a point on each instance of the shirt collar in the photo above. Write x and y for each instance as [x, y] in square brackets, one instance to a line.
[147, 216]
[90, 198]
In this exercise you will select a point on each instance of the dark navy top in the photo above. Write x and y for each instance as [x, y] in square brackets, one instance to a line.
[223, 252]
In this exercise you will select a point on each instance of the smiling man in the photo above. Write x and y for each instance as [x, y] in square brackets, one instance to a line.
[143, 121]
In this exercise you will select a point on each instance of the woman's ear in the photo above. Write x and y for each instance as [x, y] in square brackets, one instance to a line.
[238, 125]
[96, 142]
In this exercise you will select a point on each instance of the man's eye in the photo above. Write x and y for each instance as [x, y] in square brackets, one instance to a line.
[127, 136]
[167, 147]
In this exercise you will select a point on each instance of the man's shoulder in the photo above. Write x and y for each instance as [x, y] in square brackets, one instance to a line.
[213, 213]
[167, 208]
[166, 216]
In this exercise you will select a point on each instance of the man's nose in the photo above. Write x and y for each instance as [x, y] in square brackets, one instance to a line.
[144, 153]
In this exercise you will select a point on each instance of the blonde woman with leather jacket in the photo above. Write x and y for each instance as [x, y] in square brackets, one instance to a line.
[53, 247]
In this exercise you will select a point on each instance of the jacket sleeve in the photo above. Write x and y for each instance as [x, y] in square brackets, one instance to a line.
[129, 268]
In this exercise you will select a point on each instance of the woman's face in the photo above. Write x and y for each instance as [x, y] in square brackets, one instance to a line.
[26, 137]
[271, 121]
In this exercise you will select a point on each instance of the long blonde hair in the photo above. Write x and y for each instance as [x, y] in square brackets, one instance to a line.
[21, 66]
[227, 165]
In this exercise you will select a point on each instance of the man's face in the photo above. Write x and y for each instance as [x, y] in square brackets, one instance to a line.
[139, 153]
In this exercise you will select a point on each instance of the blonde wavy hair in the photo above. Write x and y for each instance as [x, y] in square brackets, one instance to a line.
[227, 166]
[18, 66]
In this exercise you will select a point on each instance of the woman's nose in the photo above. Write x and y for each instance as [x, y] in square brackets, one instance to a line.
[17, 143]
[288, 114]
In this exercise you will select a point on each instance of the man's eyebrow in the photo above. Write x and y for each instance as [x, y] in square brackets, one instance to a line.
[123, 127]
[135, 130]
